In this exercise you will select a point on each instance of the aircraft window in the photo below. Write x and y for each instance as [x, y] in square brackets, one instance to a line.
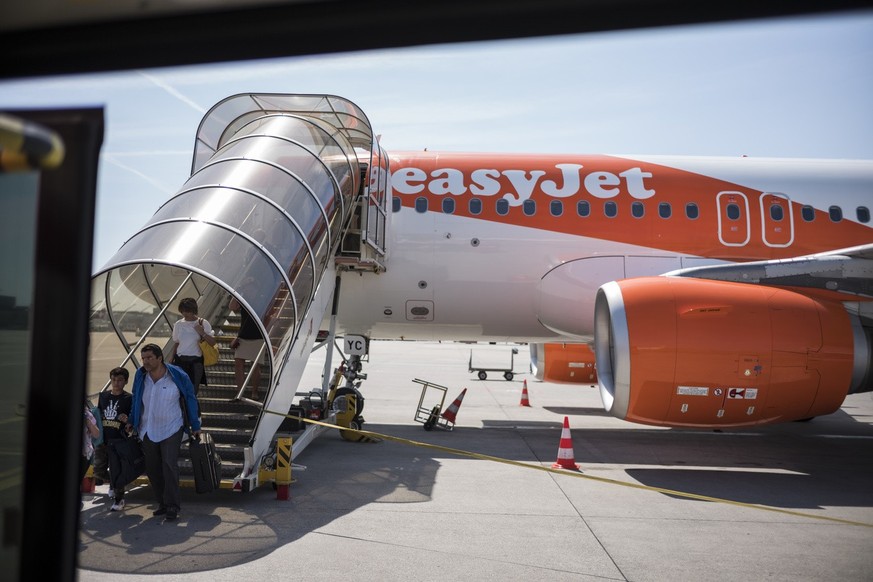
[863, 214]
[808, 213]
[638, 209]
[665, 210]
[421, 204]
[691, 211]
[776, 212]
[502, 207]
[529, 207]
[395, 204]
[449, 205]
[583, 208]
[475, 206]
[836, 213]
[556, 207]
[610, 209]
[733, 211]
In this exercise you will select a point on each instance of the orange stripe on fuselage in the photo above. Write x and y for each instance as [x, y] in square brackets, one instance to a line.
[599, 180]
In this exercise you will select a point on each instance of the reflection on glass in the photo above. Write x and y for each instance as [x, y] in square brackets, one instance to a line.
[17, 253]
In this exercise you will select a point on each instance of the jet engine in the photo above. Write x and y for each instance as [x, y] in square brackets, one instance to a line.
[563, 363]
[675, 351]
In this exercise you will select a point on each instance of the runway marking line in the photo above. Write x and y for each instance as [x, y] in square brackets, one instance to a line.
[578, 475]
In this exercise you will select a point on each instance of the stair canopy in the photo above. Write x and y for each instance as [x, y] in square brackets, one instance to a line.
[273, 181]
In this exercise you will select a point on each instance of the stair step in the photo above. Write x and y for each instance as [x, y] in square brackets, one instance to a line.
[229, 436]
[229, 453]
[230, 422]
[226, 406]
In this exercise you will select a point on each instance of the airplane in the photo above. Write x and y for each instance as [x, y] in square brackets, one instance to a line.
[695, 292]
[39, 49]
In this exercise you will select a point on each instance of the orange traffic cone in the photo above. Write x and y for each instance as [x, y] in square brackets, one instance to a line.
[452, 410]
[524, 398]
[565, 450]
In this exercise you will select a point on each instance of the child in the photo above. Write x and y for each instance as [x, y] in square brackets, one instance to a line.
[115, 405]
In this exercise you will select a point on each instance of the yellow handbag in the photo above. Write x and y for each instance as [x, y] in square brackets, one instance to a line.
[210, 352]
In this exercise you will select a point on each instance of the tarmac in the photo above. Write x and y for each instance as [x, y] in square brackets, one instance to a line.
[786, 502]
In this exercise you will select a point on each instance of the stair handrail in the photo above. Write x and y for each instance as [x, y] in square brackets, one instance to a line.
[148, 330]
[255, 362]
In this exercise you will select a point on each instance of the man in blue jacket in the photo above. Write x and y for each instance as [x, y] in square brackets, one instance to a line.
[159, 417]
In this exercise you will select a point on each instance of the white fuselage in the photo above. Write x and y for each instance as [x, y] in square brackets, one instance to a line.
[470, 278]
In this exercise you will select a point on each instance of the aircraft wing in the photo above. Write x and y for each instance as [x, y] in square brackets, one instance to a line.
[847, 270]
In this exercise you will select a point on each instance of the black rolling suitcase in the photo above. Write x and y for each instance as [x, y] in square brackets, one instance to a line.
[206, 463]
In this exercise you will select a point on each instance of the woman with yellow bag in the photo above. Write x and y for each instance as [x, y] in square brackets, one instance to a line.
[188, 333]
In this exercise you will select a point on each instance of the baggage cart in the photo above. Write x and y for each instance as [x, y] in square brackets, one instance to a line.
[508, 373]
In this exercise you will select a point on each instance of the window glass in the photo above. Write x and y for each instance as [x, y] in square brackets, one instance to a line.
[808, 213]
[556, 207]
[475, 206]
[583, 208]
[449, 205]
[529, 207]
[733, 211]
[665, 210]
[863, 214]
[20, 190]
[776, 212]
[836, 213]
[421, 204]
[502, 207]
[610, 209]
[395, 204]
[691, 211]
[638, 209]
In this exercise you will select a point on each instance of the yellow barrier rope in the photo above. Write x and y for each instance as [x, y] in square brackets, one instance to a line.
[566, 473]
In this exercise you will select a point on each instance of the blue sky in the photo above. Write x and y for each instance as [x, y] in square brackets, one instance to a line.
[798, 87]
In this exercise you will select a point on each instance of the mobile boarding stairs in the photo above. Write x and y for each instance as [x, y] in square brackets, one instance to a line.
[286, 193]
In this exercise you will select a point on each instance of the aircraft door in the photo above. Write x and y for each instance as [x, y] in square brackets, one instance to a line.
[777, 222]
[733, 219]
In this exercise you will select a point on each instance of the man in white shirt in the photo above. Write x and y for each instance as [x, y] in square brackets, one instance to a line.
[162, 395]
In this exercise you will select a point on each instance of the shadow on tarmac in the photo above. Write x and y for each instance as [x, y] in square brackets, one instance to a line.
[224, 528]
[789, 466]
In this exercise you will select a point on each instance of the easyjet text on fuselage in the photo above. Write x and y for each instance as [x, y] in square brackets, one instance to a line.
[517, 185]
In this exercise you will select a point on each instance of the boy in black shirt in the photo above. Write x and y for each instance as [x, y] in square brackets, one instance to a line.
[115, 405]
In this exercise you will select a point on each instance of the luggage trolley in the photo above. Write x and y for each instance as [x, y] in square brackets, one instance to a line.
[429, 414]
[508, 373]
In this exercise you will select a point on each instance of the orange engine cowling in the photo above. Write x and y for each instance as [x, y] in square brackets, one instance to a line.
[675, 351]
[563, 363]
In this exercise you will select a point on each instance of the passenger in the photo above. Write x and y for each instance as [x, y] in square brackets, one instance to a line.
[187, 333]
[100, 461]
[90, 431]
[114, 405]
[247, 343]
[164, 406]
